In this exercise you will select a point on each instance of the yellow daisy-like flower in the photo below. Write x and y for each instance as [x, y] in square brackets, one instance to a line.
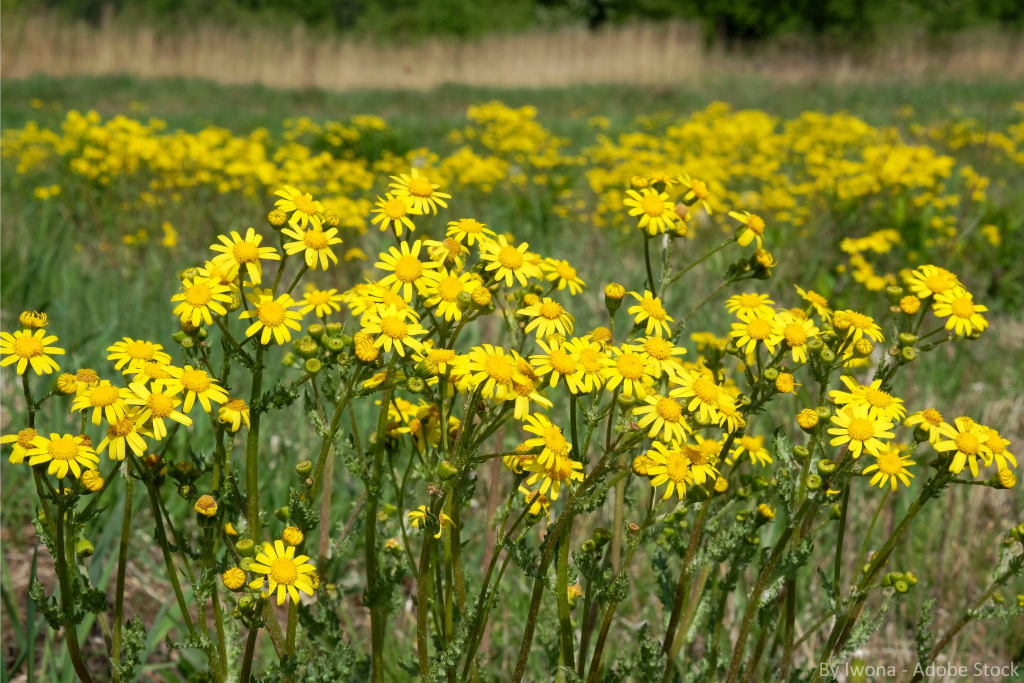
[997, 444]
[880, 404]
[238, 252]
[157, 406]
[394, 327]
[488, 366]
[524, 389]
[591, 358]
[729, 416]
[704, 395]
[671, 465]
[29, 348]
[856, 427]
[92, 481]
[890, 465]
[315, 243]
[442, 289]
[407, 271]
[470, 231]
[125, 433]
[817, 301]
[32, 320]
[271, 315]
[561, 272]
[105, 399]
[753, 228]
[154, 373]
[537, 502]
[750, 305]
[630, 369]
[303, 208]
[559, 471]
[448, 252]
[710, 450]
[964, 315]
[754, 447]
[418, 518]
[322, 301]
[861, 326]
[198, 297]
[549, 317]
[664, 415]
[794, 333]
[507, 261]
[283, 572]
[423, 194]
[750, 333]
[929, 420]
[558, 360]
[384, 296]
[64, 453]
[703, 462]
[395, 211]
[969, 440]
[930, 280]
[655, 209]
[549, 438]
[196, 384]
[131, 353]
[222, 273]
[234, 412]
[661, 355]
[436, 360]
[22, 444]
[697, 191]
[651, 309]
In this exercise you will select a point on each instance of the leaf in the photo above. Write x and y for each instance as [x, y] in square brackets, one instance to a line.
[133, 641]
[830, 591]
[45, 606]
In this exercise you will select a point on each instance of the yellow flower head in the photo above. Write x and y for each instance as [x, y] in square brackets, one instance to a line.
[964, 315]
[314, 243]
[756, 330]
[233, 579]
[508, 262]
[206, 505]
[422, 194]
[655, 209]
[754, 447]
[64, 453]
[671, 465]
[889, 466]
[195, 384]
[753, 228]
[292, 536]
[442, 289]
[271, 315]
[470, 231]
[548, 317]
[130, 354]
[560, 470]
[395, 211]
[815, 300]
[651, 309]
[105, 399]
[237, 253]
[560, 272]
[931, 280]
[157, 406]
[32, 320]
[198, 297]
[880, 404]
[697, 191]
[418, 518]
[559, 360]
[125, 433]
[394, 328]
[29, 348]
[855, 427]
[284, 573]
[407, 270]
[750, 305]
[630, 369]
[22, 444]
[304, 209]
[663, 415]
[321, 301]
[968, 441]
[549, 438]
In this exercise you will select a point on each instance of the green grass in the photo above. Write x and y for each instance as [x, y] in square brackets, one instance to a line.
[95, 300]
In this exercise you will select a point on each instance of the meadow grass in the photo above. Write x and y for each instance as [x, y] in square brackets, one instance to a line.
[96, 300]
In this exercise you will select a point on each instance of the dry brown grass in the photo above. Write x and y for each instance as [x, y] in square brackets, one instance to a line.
[642, 54]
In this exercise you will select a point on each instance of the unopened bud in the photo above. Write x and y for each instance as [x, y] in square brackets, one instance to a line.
[84, 549]
[303, 468]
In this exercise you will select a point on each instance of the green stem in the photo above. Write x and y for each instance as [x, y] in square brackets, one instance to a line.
[672, 634]
[293, 622]
[867, 537]
[703, 258]
[67, 604]
[122, 563]
[562, 596]
[252, 447]
[647, 262]
[372, 499]
[837, 571]
[250, 649]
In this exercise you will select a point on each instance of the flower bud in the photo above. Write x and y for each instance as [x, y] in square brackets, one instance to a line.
[828, 355]
[824, 413]
[234, 579]
[187, 343]
[206, 506]
[743, 400]
[998, 598]
[894, 293]
[800, 452]
[602, 537]
[233, 303]
[836, 512]
[178, 336]
[721, 486]
[292, 536]
[245, 547]
[759, 483]
[282, 514]
[910, 305]
[863, 347]
[482, 297]
[741, 516]
[1004, 479]
[908, 354]
[304, 468]
[626, 402]
[753, 539]
[910, 578]
[613, 293]
[336, 344]
[813, 482]
[415, 385]
[907, 339]
[731, 349]
[815, 345]
[807, 419]
[588, 546]
[246, 604]
[446, 470]
[771, 374]
[764, 514]
[464, 300]
[826, 466]
[84, 549]
[277, 218]
[316, 331]
[305, 347]
[313, 366]
[288, 359]
[893, 351]
[331, 219]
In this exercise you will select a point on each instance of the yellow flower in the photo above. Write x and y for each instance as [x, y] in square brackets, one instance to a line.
[706, 395]
[196, 384]
[807, 419]
[785, 383]
[854, 426]
[656, 211]
[206, 506]
[549, 438]
[508, 262]
[537, 502]
[198, 297]
[448, 252]
[964, 315]
[422, 193]
[157, 407]
[861, 326]
[292, 536]
[614, 291]
[233, 579]
[671, 465]
[469, 230]
[92, 481]
[321, 302]
[394, 211]
[22, 444]
[315, 243]
[418, 518]
[880, 403]
[303, 207]
[661, 355]
[630, 369]
[969, 441]
[524, 389]
[105, 399]
[997, 444]
[29, 348]
[549, 317]
[665, 415]
[130, 354]
[284, 572]
[729, 416]
[929, 420]
[271, 315]
[890, 465]
[32, 320]
[66, 383]
[238, 252]
[930, 280]
[127, 431]
[436, 360]
[560, 470]
[559, 361]
[229, 529]
[564, 274]
[151, 372]
[651, 310]
[756, 330]
[64, 453]
[910, 304]
[794, 333]
[394, 329]
[753, 228]
[697, 191]
[442, 289]
[750, 305]
[365, 349]
[816, 300]
[591, 358]
[642, 465]
[754, 447]
[406, 269]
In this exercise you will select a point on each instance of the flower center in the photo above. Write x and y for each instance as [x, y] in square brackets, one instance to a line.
[27, 347]
[630, 366]
[962, 307]
[235, 404]
[795, 334]
[560, 469]
[700, 190]
[395, 208]
[63, 448]
[408, 268]
[967, 443]
[154, 371]
[551, 310]
[816, 299]
[523, 388]
[601, 334]
[995, 442]
[315, 239]
[452, 247]
[121, 428]
[246, 252]
[283, 571]
[510, 258]
[394, 327]
[195, 380]
[103, 395]
[756, 224]
[320, 296]
[565, 271]
[877, 398]
[389, 298]
[759, 329]
[160, 405]
[499, 369]
[471, 226]
[706, 390]
[652, 205]
[554, 441]
[198, 294]
[658, 348]
[709, 449]
[420, 187]
[140, 350]
[561, 362]
[937, 283]
[304, 205]
[750, 443]
[449, 288]
[653, 308]
[668, 409]
[932, 417]
[860, 321]
[890, 463]
[87, 376]
[860, 429]
[271, 313]
[749, 300]
[442, 355]
[25, 437]
[677, 467]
